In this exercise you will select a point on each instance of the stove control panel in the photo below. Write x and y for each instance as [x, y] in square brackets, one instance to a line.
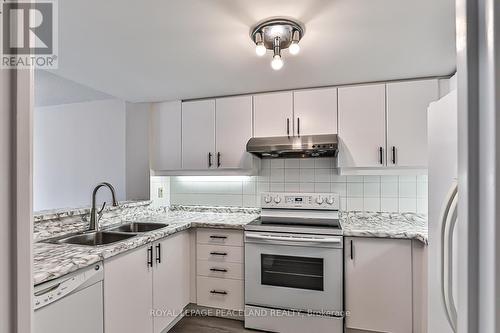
[321, 201]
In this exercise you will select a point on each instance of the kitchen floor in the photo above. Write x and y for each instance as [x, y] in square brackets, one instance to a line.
[209, 325]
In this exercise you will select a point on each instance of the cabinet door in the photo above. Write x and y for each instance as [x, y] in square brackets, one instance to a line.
[362, 126]
[128, 284]
[198, 134]
[273, 114]
[378, 284]
[315, 111]
[233, 130]
[171, 278]
[407, 104]
[166, 136]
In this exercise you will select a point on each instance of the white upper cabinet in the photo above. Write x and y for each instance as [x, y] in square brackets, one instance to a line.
[233, 124]
[198, 135]
[362, 126]
[166, 136]
[315, 111]
[273, 114]
[378, 125]
[407, 104]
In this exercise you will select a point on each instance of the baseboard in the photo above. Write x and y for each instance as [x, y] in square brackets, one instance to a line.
[174, 322]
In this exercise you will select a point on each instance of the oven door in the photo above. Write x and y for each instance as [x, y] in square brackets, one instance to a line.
[291, 271]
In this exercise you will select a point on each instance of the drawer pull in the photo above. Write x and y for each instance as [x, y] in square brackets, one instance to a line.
[218, 253]
[218, 292]
[223, 270]
[218, 237]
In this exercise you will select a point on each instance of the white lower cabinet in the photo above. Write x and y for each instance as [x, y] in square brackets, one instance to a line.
[147, 288]
[128, 282]
[378, 284]
[220, 269]
[220, 293]
[171, 279]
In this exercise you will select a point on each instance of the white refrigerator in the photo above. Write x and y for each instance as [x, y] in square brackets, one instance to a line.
[443, 199]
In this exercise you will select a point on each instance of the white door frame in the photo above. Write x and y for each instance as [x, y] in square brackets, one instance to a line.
[16, 208]
[16, 223]
[478, 47]
[24, 198]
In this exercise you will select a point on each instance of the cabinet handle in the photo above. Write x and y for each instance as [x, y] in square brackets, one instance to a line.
[352, 250]
[218, 160]
[218, 237]
[393, 155]
[209, 160]
[219, 292]
[158, 253]
[381, 155]
[298, 126]
[288, 126]
[150, 256]
[218, 253]
[218, 270]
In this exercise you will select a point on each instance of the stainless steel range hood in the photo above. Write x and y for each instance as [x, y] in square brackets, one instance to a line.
[294, 147]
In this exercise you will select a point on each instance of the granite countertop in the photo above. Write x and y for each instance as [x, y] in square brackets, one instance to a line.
[55, 260]
[385, 225]
[51, 261]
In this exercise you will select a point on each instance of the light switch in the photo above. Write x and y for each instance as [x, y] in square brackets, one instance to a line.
[160, 192]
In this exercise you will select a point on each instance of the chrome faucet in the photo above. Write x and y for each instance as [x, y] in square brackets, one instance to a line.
[96, 215]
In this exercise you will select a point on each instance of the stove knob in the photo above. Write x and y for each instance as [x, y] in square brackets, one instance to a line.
[320, 200]
[267, 199]
[277, 199]
[330, 200]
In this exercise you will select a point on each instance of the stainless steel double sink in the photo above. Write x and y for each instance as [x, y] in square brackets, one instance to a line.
[108, 236]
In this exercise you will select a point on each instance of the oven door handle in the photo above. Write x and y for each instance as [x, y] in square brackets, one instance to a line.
[329, 240]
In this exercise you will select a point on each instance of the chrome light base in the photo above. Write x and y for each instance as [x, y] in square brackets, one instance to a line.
[284, 28]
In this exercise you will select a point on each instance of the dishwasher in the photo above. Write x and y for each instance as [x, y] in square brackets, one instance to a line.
[72, 303]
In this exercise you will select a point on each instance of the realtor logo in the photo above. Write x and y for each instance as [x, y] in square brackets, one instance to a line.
[29, 34]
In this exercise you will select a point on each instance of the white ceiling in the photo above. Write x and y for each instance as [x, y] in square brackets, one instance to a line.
[152, 50]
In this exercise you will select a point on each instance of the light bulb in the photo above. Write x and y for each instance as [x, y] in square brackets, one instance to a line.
[277, 63]
[294, 48]
[260, 49]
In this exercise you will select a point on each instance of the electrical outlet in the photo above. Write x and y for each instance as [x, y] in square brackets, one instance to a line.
[160, 192]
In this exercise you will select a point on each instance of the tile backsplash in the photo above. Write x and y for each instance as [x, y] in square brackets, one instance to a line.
[369, 193]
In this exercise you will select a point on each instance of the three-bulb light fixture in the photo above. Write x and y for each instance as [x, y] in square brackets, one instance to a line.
[277, 34]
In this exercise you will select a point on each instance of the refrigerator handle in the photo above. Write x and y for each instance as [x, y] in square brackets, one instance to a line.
[448, 219]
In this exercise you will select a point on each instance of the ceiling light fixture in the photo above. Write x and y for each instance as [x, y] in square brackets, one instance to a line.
[260, 49]
[277, 34]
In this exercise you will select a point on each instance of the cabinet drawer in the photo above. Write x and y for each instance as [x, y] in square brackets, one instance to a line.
[218, 253]
[219, 237]
[225, 270]
[220, 293]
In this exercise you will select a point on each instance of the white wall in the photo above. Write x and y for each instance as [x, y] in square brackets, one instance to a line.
[51, 89]
[368, 193]
[77, 146]
[137, 151]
